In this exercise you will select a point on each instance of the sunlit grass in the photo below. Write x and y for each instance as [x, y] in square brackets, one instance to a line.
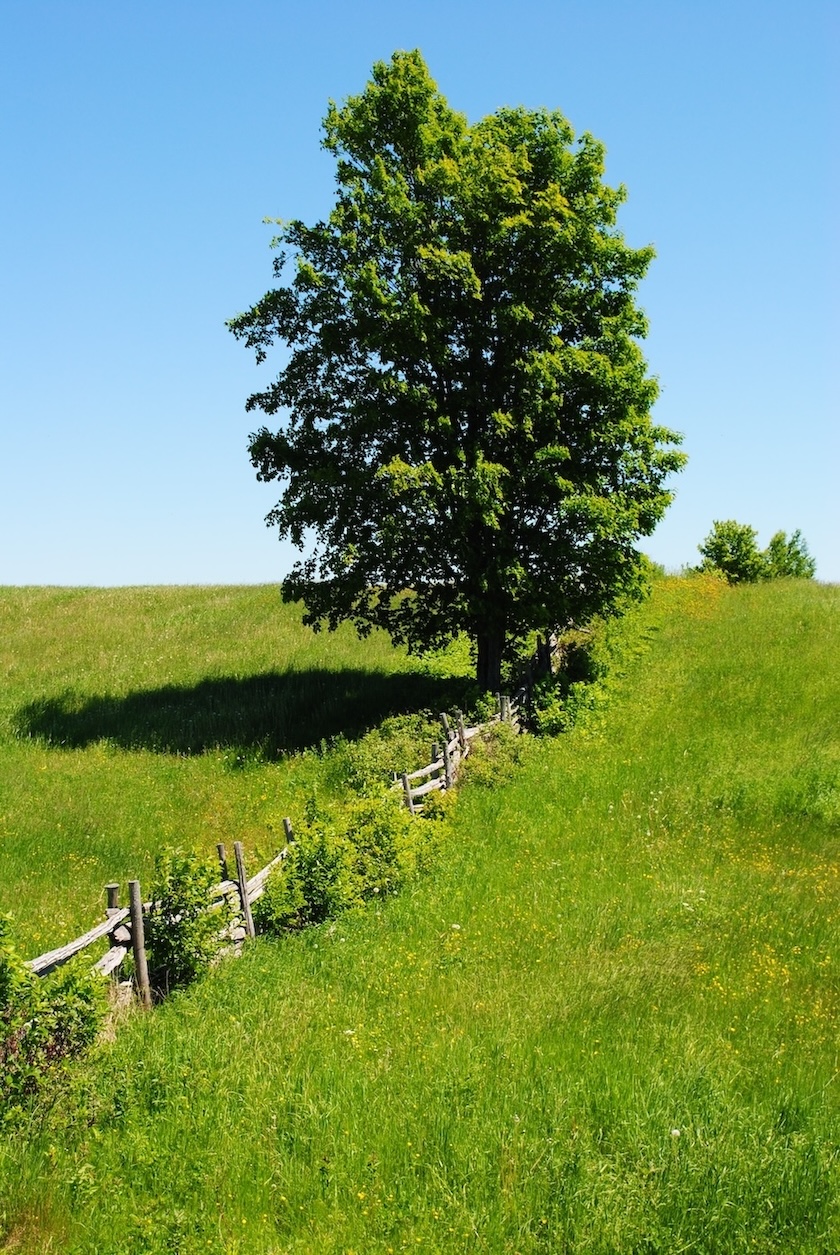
[607, 1022]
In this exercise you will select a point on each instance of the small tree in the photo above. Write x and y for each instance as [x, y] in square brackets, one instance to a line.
[789, 558]
[465, 434]
[731, 549]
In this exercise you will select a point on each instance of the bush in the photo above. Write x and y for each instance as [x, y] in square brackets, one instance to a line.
[731, 549]
[558, 706]
[182, 934]
[494, 756]
[342, 858]
[43, 1022]
[365, 766]
[788, 558]
[559, 699]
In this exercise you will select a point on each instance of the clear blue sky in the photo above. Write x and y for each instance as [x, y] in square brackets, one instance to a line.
[142, 145]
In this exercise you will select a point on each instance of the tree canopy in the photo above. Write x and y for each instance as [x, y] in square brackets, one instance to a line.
[464, 440]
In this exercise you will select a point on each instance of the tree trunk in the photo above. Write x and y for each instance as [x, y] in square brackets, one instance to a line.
[491, 645]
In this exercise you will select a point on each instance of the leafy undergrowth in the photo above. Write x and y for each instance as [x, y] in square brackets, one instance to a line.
[606, 1021]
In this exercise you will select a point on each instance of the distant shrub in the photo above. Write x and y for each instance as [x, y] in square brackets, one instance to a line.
[789, 558]
[731, 548]
[182, 934]
[44, 1022]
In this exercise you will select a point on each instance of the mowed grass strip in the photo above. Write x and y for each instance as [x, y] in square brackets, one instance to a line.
[135, 718]
[606, 1023]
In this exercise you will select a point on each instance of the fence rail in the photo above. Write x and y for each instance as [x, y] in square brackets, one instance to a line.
[441, 772]
[124, 925]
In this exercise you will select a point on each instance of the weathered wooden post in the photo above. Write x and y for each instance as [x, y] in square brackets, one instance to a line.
[222, 853]
[447, 757]
[462, 731]
[287, 828]
[243, 889]
[138, 944]
[409, 800]
[113, 892]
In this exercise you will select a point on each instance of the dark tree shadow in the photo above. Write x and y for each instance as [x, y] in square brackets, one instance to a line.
[265, 715]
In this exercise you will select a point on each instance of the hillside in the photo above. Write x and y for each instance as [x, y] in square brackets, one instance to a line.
[139, 717]
[605, 1022]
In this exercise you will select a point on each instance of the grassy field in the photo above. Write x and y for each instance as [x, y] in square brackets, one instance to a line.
[141, 717]
[605, 1023]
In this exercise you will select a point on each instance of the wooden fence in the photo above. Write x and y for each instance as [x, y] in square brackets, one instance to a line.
[123, 926]
[444, 766]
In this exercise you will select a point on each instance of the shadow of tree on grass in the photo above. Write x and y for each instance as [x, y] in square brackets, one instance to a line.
[262, 716]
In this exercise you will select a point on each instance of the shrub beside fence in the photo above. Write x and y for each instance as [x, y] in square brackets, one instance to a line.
[448, 756]
[125, 926]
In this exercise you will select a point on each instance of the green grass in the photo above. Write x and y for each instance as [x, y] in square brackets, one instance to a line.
[606, 1022]
[136, 718]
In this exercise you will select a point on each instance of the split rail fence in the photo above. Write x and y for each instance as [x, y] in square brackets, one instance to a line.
[447, 756]
[124, 928]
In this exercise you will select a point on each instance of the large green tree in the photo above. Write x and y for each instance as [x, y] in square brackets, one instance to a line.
[464, 437]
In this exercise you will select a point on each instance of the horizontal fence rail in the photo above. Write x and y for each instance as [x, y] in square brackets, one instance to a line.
[124, 926]
[46, 963]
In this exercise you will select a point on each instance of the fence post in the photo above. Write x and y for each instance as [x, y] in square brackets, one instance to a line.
[138, 944]
[113, 892]
[222, 853]
[409, 801]
[287, 828]
[243, 889]
[447, 757]
[462, 732]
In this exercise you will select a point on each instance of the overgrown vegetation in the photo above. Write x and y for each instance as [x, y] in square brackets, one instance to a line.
[591, 664]
[342, 858]
[182, 934]
[44, 1023]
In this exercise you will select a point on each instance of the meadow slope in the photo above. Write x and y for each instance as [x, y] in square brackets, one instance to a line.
[136, 718]
[605, 1022]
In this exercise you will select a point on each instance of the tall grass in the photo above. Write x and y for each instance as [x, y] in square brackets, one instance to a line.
[607, 1022]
